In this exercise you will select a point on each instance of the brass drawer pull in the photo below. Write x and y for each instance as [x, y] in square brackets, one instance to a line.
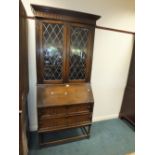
[65, 93]
[52, 93]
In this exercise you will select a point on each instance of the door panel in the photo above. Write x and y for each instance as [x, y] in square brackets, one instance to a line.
[64, 52]
[52, 51]
[79, 41]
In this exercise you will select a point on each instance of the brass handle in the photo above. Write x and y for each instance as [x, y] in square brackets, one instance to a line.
[65, 93]
[52, 93]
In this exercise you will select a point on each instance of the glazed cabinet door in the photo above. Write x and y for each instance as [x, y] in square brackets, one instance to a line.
[50, 51]
[64, 52]
[80, 53]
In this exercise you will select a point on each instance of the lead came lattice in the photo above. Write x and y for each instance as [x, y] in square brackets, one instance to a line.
[78, 50]
[52, 51]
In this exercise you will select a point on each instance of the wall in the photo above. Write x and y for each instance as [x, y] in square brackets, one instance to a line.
[112, 53]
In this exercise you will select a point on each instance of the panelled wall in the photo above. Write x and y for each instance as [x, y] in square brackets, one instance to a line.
[111, 58]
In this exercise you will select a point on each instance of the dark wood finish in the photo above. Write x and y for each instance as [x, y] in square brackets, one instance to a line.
[100, 27]
[64, 15]
[38, 52]
[115, 30]
[23, 55]
[40, 59]
[64, 94]
[128, 106]
[49, 129]
[66, 52]
[23, 141]
[64, 121]
[23, 80]
[64, 99]
[60, 105]
[63, 110]
[85, 134]
[89, 51]
[62, 141]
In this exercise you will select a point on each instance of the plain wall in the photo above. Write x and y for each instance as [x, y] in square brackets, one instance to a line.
[111, 58]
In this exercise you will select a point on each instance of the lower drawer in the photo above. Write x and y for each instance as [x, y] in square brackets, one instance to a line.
[64, 121]
[64, 110]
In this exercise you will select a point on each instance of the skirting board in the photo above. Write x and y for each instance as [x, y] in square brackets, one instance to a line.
[95, 119]
[103, 118]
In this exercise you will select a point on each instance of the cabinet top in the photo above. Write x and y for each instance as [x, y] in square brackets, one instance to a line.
[63, 14]
[63, 94]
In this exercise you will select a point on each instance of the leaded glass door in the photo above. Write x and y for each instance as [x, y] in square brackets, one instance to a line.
[64, 52]
[52, 55]
[79, 53]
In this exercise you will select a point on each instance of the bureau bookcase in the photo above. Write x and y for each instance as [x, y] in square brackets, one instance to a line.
[64, 51]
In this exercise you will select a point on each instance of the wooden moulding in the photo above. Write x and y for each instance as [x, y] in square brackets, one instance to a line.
[64, 15]
[98, 27]
[115, 30]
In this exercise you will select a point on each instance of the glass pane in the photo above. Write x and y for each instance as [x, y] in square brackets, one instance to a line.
[78, 53]
[52, 51]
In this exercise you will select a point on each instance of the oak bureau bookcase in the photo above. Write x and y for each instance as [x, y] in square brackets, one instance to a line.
[64, 50]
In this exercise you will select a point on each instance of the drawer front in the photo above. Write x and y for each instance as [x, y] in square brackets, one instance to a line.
[64, 110]
[64, 121]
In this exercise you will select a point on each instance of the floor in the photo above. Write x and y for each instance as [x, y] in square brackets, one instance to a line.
[111, 137]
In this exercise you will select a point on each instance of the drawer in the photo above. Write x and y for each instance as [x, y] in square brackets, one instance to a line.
[67, 121]
[64, 110]
[79, 108]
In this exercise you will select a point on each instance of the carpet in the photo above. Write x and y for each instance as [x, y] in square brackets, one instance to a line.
[111, 137]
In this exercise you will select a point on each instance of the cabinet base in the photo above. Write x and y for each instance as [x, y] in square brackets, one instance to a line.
[64, 136]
